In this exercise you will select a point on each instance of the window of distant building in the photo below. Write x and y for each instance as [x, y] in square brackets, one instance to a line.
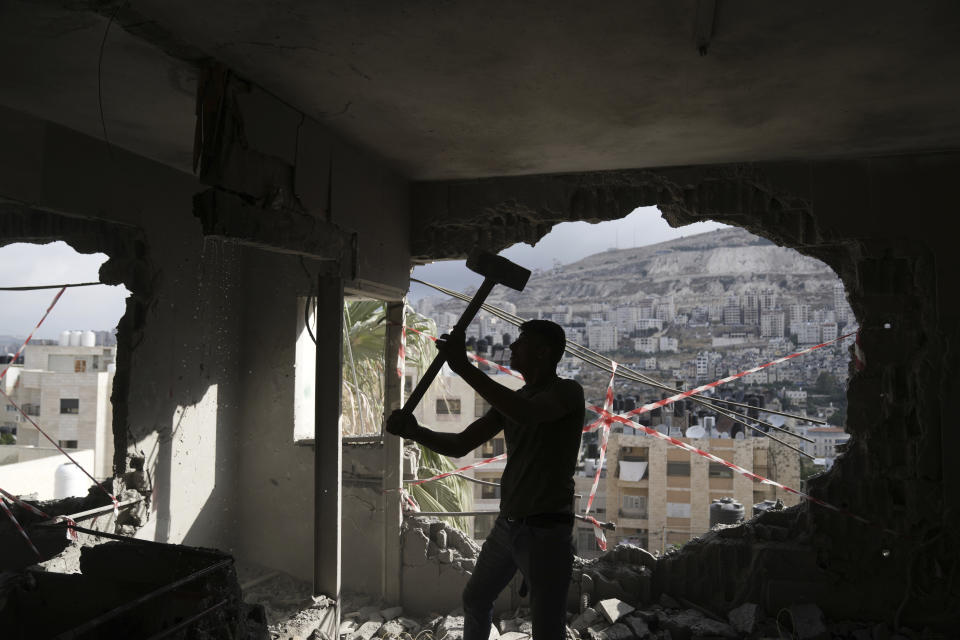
[494, 447]
[448, 406]
[480, 406]
[586, 540]
[489, 492]
[678, 468]
[718, 470]
[79, 366]
[634, 506]
[67, 444]
[678, 509]
[69, 406]
[483, 525]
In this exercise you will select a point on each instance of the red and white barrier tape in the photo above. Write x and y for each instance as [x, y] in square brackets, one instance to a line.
[409, 503]
[402, 352]
[56, 298]
[607, 417]
[604, 435]
[439, 476]
[597, 532]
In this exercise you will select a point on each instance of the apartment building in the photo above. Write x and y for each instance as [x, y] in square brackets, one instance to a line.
[66, 390]
[660, 495]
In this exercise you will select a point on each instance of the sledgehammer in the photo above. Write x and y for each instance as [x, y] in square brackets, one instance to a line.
[495, 270]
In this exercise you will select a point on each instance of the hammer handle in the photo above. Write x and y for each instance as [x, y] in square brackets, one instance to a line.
[465, 319]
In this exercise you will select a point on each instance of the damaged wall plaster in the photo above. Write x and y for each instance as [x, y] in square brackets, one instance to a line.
[196, 393]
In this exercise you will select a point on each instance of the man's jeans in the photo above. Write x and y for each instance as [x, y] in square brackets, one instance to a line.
[544, 555]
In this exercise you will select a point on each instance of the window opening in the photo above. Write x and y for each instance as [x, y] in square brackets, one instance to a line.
[64, 377]
[681, 323]
[69, 406]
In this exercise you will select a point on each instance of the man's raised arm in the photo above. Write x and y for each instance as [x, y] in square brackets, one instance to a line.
[455, 445]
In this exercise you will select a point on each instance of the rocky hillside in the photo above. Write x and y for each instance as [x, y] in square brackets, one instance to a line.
[699, 269]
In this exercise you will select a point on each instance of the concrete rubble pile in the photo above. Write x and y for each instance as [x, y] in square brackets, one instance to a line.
[621, 595]
[609, 619]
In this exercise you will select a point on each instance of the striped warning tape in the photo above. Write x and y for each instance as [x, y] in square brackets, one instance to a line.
[607, 417]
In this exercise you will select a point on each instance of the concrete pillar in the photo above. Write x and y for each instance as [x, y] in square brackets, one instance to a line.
[328, 460]
[392, 457]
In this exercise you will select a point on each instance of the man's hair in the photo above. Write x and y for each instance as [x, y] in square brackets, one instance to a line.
[551, 333]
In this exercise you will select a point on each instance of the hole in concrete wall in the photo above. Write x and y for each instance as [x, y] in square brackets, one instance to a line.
[64, 379]
[686, 307]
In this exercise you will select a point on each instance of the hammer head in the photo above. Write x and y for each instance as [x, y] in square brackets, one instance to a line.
[499, 269]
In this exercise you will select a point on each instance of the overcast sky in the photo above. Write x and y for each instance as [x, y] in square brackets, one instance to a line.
[566, 243]
[100, 307]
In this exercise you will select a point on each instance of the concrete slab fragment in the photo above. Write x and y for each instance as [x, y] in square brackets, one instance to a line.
[613, 609]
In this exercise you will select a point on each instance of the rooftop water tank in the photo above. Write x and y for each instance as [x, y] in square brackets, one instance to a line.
[725, 511]
[65, 338]
[75, 337]
[696, 431]
[88, 339]
[69, 481]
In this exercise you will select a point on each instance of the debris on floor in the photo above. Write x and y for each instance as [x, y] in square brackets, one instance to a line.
[366, 618]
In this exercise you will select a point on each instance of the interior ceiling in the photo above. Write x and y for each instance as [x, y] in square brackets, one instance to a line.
[466, 89]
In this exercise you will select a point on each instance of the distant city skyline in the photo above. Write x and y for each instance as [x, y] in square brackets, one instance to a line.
[100, 307]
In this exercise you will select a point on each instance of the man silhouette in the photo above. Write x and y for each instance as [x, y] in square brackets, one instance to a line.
[542, 423]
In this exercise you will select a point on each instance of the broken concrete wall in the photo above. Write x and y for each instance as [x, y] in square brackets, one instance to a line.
[171, 377]
[878, 223]
[204, 382]
[438, 560]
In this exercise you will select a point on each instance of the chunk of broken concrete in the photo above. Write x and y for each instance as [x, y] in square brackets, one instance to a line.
[347, 627]
[366, 631]
[638, 626]
[391, 612]
[412, 626]
[807, 620]
[745, 617]
[691, 623]
[445, 556]
[613, 609]
[667, 602]
[451, 628]
[585, 619]
[514, 635]
[391, 630]
[415, 547]
[617, 631]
